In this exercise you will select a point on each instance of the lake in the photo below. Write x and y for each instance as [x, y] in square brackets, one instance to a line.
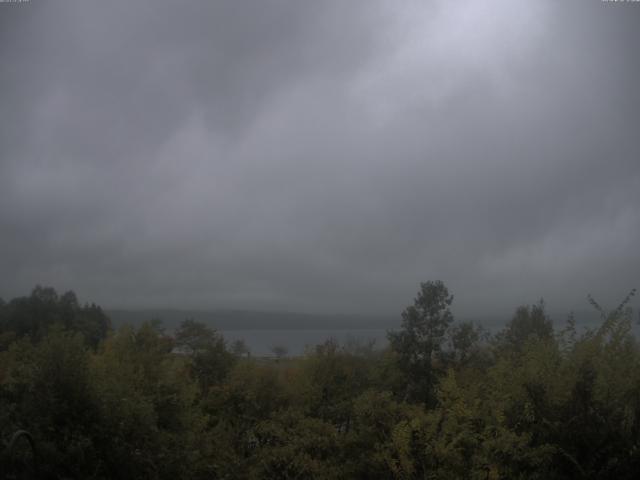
[260, 342]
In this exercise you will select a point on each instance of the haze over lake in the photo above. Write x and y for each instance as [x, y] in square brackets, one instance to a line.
[261, 331]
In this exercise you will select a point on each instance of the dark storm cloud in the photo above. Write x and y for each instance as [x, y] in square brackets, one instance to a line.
[320, 156]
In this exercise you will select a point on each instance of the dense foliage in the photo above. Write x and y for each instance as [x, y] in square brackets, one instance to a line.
[444, 401]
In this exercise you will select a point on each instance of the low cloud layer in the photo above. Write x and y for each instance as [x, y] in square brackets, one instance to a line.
[320, 156]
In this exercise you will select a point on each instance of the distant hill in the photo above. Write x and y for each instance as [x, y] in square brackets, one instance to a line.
[254, 320]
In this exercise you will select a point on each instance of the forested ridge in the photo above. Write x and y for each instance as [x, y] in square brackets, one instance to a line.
[445, 399]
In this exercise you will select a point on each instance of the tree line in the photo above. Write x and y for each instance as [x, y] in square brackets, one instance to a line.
[444, 400]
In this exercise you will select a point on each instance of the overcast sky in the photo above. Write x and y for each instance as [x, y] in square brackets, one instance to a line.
[320, 156]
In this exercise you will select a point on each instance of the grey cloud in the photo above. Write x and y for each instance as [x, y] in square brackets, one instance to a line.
[320, 156]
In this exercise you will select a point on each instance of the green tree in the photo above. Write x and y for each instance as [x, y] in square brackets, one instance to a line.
[465, 342]
[333, 378]
[529, 322]
[210, 359]
[47, 390]
[418, 345]
[34, 315]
